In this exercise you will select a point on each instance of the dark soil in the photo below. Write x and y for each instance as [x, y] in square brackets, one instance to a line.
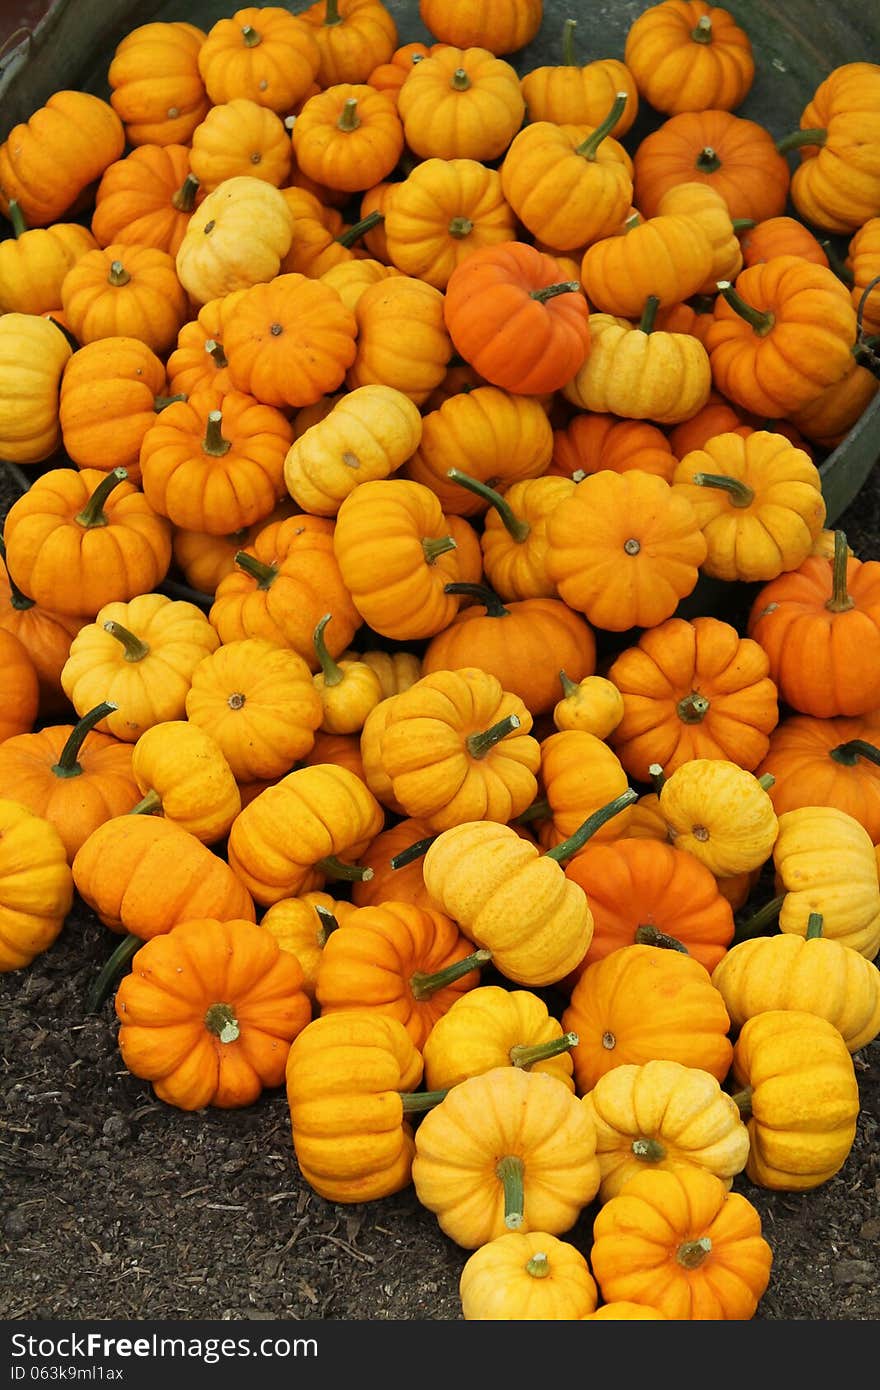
[114, 1205]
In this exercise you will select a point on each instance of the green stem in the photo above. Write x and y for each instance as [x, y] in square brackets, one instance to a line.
[149, 805]
[185, 196]
[333, 672]
[849, 753]
[414, 1102]
[539, 810]
[707, 161]
[489, 599]
[160, 402]
[703, 31]
[758, 320]
[328, 924]
[589, 148]
[68, 764]
[568, 54]
[649, 314]
[551, 291]
[331, 13]
[349, 119]
[840, 600]
[118, 275]
[693, 708]
[359, 229]
[841, 270]
[216, 353]
[93, 513]
[19, 601]
[766, 780]
[459, 81]
[538, 1265]
[692, 1253]
[333, 867]
[423, 984]
[460, 227]
[111, 970]
[135, 649]
[648, 1150]
[250, 35]
[743, 1101]
[265, 575]
[221, 1021]
[740, 494]
[214, 443]
[518, 529]
[525, 1055]
[16, 217]
[814, 926]
[481, 744]
[593, 823]
[756, 925]
[647, 935]
[657, 776]
[743, 224]
[511, 1171]
[569, 687]
[435, 546]
[412, 852]
[799, 138]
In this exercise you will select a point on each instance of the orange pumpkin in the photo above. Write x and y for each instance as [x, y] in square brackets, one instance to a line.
[48, 162]
[156, 88]
[687, 55]
[146, 199]
[592, 442]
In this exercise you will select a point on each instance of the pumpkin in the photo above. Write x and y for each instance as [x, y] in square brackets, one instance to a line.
[36, 885]
[401, 337]
[262, 53]
[680, 1243]
[644, 891]
[506, 1150]
[125, 290]
[34, 262]
[708, 209]
[461, 103]
[721, 813]
[734, 155]
[457, 747]
[349, 278]
[579, 773]
[397, 670]
[303, 927]
[641, 372]
[510, 898]
[642, 1003]
[348, 689]
[836, 185]
[863, 261]
[574, 94]
[717, 416]
[156, 88]
[94, 531]
[624, 1310]
[825, 862]
[669, 256]
[593, 705]
[514, 317]
[45, 635]
[343, 749]
[208, 1013]
[782, 334]
[829, 608]
[827, 418]
[780, 236]
[390, 77]
[813, 973]
[146, 199]
[204, 560]
[825, 762]
[511, 25]
[237, 138]
[282, 584]
[374, 773]
[321, 240]
[323, 813]
[493, 1027]
[48, 162]
[117, 867]
[662, 1116]
[526, 1275]
[348, 136]
[70, 775]
[687, 55]
[140, 655]
[693, 689]
[797, 1090]
[644, 546]
[443, 211]
[20, 688]
[591, 442]
[514, 538]
[198, 359]
[569, 185]
[519, 643]
[236, 238]
[352, 37]
[182, 774]
[215, 463]
[369, 433]
[33, 355]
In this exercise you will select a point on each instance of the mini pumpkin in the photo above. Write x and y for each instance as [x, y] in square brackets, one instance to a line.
[36, 884]
[526, 1275]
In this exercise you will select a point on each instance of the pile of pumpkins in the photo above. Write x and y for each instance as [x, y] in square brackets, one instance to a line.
[376, 408]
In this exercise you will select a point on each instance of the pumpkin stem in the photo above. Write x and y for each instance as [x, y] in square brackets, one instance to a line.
[693, 708]
[483, 594]
[110, 971]
[423, 984]
[647, 935]
[517, 528]
[435, 546]
[480, 745]
[216, 353]
[328, 923]
[68, 764]
[760, 321]
[118, 275]
[764, 917]
[841, 270]
[799, 138]
[221, 1021]
[331, 14]
[568, 54]
[814, 926]
[16, 217]
[265, 575]
[160, 402]
[359, 229]
[414, 1102]
[333, 672]
[743, 1100]
[648, 1150]
[657, 776]
[743, 224]
[649, 314]
[703, 31]
[739, 493]
[460, 227]
[849, 753]
[511, 1171]
[149, 805]
[459, 80]
[593, 823]
[569, 687]
[93, 513]
[214, 443]
[634, 220]
[538, 1265]
[250, 35]
[185, 197]
[539, 810]
[840, 599]
[707, 161]
[551, 291]
[172, 588]
[589, 148]
[16, 597]
[412, 852]
[525, 1055]
[348, 117]
[766, 780]
[135, 649]
[692, 1253]
[333, 867]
